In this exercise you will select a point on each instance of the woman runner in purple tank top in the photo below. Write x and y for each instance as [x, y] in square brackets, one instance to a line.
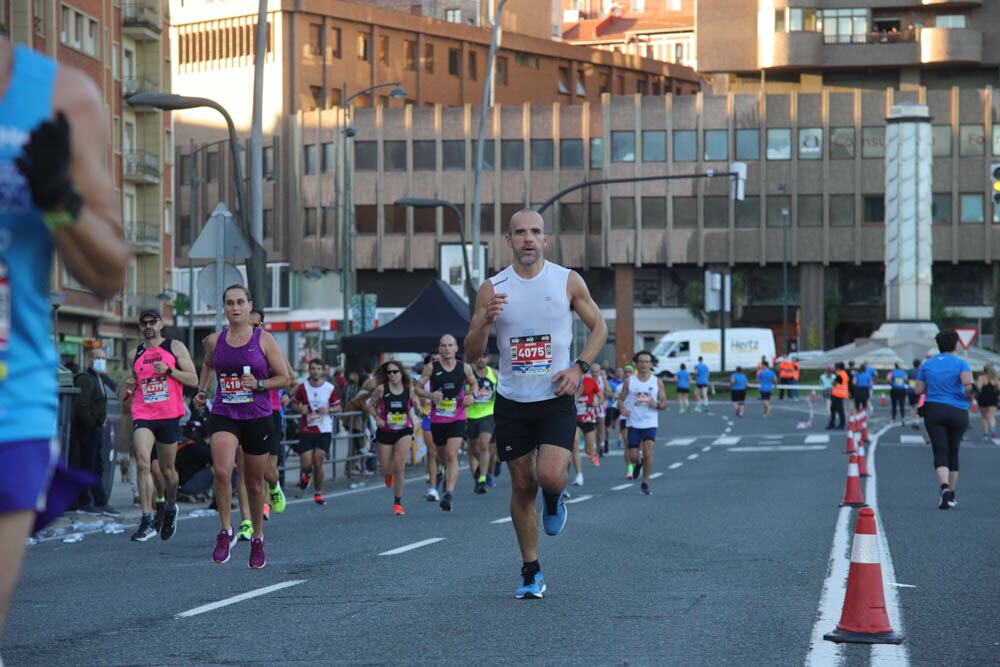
[246, 362]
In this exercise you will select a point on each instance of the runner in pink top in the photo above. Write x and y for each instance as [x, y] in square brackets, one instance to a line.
[161, 367]
[392, 408]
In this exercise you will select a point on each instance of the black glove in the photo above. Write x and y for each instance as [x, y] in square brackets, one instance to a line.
[44, 161]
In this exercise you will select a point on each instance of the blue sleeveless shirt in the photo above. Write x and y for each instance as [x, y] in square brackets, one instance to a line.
[28, 399]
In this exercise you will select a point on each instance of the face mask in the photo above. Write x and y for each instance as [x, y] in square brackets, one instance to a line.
[100, 365]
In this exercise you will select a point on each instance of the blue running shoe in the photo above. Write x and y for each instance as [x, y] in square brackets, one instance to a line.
[553, 523]
[532, 586]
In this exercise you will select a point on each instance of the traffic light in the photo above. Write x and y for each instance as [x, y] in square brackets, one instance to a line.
[995, 182]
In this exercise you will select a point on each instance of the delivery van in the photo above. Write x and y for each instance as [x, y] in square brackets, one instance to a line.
[744, 347]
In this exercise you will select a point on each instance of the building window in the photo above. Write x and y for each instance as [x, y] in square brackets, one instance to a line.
[581, 91]
[511, 154]
[424, 152]
[571, 217]
[970, 208]
[327, 157]
[473, 65]
[501, 70]
[747, 144]
[429, 58]
[716, 145]
[363, 48]
[941, 208]
[810, 143]
[873, 142]
[455, 62]
[603, 82]
[623, 213]
[571, 153]
[335, 35]
[941, 140]
[779, 144]
[685, 145]
[410, 54]
[654, 146]
[622, 146]
[716, 211]
[685, 212]
[365, 157]
[950, 21]
[454, 155]
[309, 159]
[810, 213]
[315, 39]
[654, 212]
[841, 143]
[394, 155]
[971, 141]
[542, 154]
[841, 210]
[316, 93]
[488, 151]
[746, 213]
[526, 60]
[336, 97]
[597, 153]
[779, 211]
[874, 209]
[844, 26]
[310, 221]
[563, 83]
[383, 49]
[453, 15]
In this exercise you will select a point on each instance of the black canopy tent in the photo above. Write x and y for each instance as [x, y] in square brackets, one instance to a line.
[436, 311]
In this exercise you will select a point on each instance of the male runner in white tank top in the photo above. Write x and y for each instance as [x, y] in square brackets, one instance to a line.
[531, 302]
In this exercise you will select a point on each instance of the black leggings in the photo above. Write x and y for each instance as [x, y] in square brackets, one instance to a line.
[898, 396]
[945, 426]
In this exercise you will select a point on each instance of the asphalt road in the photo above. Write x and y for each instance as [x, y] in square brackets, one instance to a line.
[739, 556]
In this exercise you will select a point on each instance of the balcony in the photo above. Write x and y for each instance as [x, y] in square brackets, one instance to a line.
[136, 302]
[139, 84]
[141, 167]
[950, 45]
[144, 237]
[141, 21]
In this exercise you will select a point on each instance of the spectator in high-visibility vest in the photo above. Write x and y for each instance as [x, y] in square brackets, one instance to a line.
[795, 376]
[785, 375]
[838, 393]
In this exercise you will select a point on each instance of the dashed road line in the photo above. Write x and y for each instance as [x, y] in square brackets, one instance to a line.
[411, 547]
[238, 598]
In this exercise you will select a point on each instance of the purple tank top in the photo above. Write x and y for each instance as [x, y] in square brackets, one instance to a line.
[231, 400]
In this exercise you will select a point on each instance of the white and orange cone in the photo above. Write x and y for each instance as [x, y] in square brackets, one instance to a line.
[862, 462]
[864, 618]
[852, 492]
[851, 425]
[863, 418]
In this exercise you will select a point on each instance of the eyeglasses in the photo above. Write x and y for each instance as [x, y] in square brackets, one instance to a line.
[393, 371]
[148, 323]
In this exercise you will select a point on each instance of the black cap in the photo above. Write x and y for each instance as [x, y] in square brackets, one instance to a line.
[149, 311]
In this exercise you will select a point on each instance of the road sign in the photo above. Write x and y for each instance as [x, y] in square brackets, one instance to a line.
[966, 335]
[216, 243]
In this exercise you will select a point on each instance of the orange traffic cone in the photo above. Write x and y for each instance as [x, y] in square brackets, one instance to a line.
[812, 396]
[975, 407]
[864, 619]
[882, 400]
[852, 493]
[851, 425]
[863, 417]
[862, 463]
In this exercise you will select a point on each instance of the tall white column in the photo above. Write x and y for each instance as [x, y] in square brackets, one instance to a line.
[908, 219]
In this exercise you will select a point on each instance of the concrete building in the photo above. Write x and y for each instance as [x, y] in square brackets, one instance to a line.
[122, 46]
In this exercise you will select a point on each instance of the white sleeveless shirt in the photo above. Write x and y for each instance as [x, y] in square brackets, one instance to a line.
[641, 400]
[534, 332]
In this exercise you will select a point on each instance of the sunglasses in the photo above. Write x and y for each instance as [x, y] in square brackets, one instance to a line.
[393, 371]
[148, 323]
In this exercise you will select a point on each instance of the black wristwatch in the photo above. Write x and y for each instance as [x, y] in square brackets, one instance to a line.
[584, 366]
[260, 385]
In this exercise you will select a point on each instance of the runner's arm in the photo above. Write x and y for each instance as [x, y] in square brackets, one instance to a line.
[661, 397]
[276, 360]
[489, 305]
[185, 372]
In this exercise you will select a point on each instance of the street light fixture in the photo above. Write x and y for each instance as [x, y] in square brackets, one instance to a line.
[257, 262]
[397, 93]
[420, 202]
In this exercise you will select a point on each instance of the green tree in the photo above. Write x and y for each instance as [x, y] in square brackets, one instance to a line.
[694, 298]
[944, 317]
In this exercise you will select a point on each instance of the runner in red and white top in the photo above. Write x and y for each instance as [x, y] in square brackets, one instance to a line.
[315, 399]
[588, 398]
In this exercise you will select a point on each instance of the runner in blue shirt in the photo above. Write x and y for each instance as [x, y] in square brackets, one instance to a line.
[701, 385]
[683, 387]
[899, 383]
[862, 388]
[766, 377]
[738, 390]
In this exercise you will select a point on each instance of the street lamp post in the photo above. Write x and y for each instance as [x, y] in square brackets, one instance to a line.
[257, 262]
[420, 202]
[784, 278]
[397, 93]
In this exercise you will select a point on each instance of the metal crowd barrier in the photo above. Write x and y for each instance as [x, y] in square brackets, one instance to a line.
[342, 439]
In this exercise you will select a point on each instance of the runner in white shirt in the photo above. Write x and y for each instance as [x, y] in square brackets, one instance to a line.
[642, 396]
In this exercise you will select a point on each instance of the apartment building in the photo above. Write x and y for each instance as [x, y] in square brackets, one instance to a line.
[744, 44]
[122, 46]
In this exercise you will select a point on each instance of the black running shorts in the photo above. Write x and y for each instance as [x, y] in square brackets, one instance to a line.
[254, 435]
[387, 437]
[310, 441]
[522, 427]
[443, 432]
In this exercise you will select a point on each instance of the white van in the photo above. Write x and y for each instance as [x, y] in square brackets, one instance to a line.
[744, 347]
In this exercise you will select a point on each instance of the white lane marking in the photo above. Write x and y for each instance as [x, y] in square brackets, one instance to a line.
[674, 466]
[817, 438]
[411, 547]
[692, 457]
[899, 585]
[621, 487]
[680, 442]
[238, 598]
[656, 475]
[578, 499]
[821, 652]
[911, 439]
[706, 448]
[506, 519]
[778, 448]
[729, 440]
